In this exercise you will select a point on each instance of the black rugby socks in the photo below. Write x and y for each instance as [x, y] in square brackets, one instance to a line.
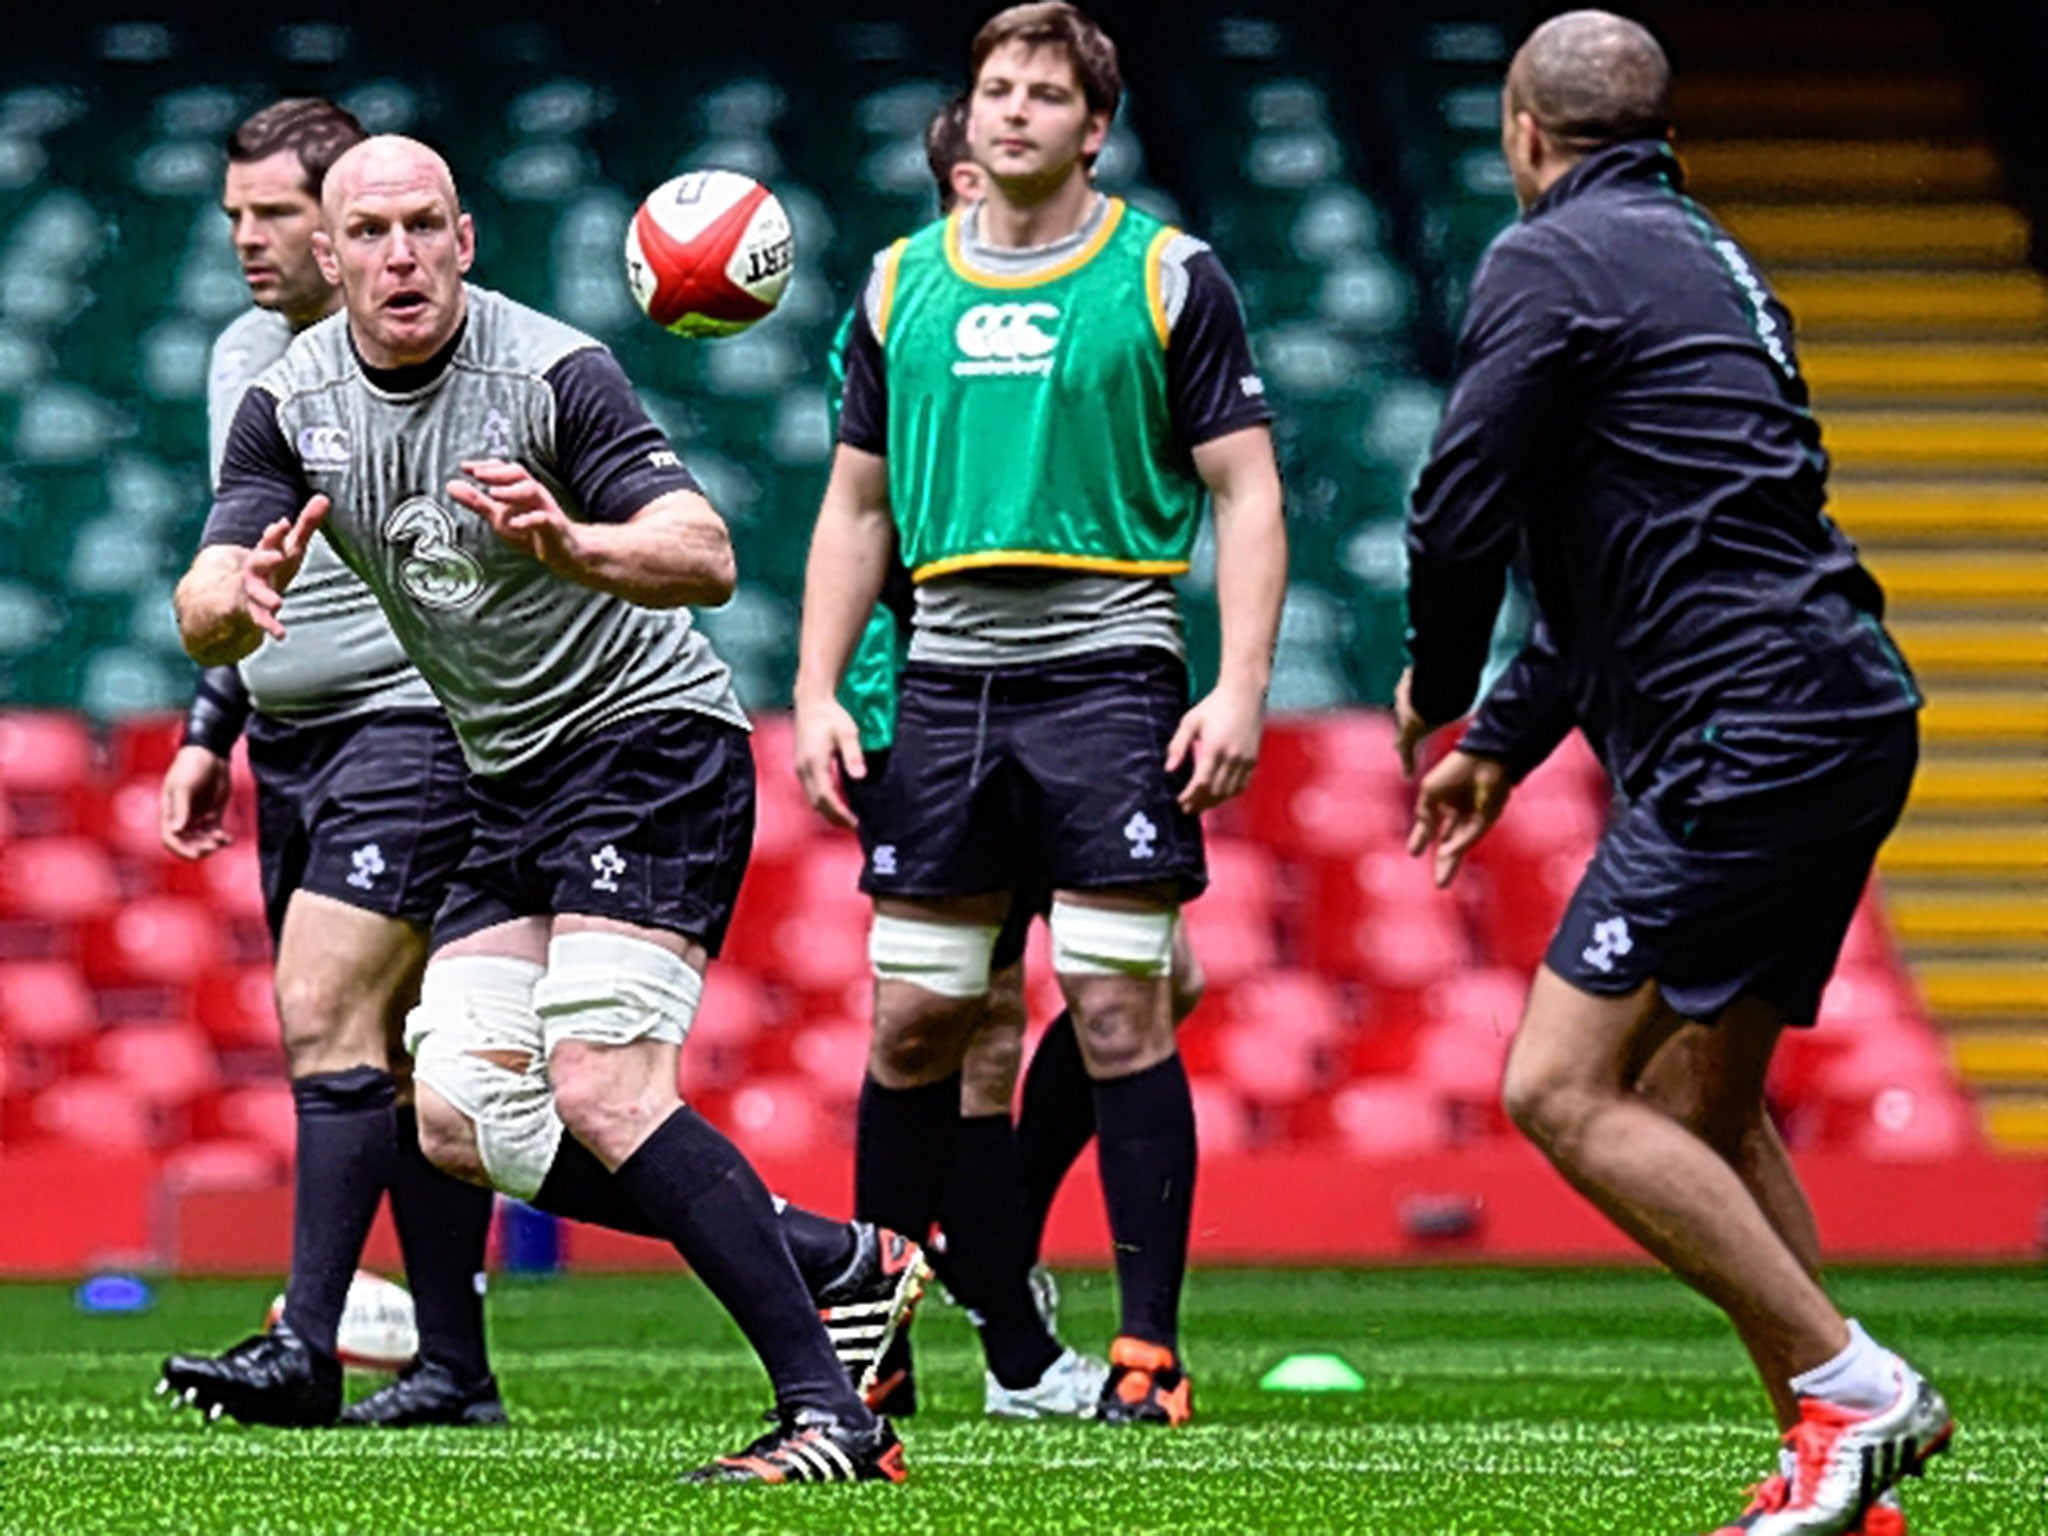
[713, 1206]
[347, 1145]
[903, 1154]
[443, 1225]
[1147, 1153]
[985, 1264]
[1054, 1123]
[581, 1188]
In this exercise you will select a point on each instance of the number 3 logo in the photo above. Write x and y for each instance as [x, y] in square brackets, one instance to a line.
[435, 572]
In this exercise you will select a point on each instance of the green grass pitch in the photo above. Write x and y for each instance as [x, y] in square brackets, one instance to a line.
[1496, 1402]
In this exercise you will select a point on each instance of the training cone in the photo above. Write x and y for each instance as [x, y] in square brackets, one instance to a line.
[1313, 1373]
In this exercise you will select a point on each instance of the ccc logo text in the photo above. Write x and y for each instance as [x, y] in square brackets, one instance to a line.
[1005, 339]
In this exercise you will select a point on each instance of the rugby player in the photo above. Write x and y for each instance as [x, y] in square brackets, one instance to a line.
[1629, 425]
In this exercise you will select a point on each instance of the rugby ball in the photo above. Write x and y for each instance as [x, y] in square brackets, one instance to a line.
[378, 1332]
[709, 253]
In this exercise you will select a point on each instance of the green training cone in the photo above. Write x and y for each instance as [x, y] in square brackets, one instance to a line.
[1313, 1373]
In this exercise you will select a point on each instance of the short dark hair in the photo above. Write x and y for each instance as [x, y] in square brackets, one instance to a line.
[1592, 78]
[945, 146]
[1056, 24]
[311, 127]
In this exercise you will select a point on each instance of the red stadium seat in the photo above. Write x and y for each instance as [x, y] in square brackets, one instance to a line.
[1222, 1124]
[263, 1113]
[1387, 1117]
[1269, 1067]
[236, 1007]
[57, 879]
[1923, 1124]
[776, 1117]
[1299, 1004]
[99, 1112]
[44, 752]
[230, 881]
[45, 1005]
[160, 939]
[833, 1058]
[1487, 1000]
[142, 746]
[1233, 944]
[168, 1065]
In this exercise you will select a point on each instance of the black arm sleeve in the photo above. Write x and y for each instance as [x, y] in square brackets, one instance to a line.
[608, 452]
[260, 477]
[1485, 471]
[1212, 387]
[1527, 712]
[864, 401]
[220, 708]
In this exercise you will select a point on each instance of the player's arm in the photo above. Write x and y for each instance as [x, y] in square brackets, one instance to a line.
[644, 533]
[1526, 714]
[1218, 405]
[262, 521]
[1222, 731]
[193, 801]
[852, 548]
[1485, 471]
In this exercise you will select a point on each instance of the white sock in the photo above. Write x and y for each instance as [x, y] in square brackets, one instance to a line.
[1862, 1377]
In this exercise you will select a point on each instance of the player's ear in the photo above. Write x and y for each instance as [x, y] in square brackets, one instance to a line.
[465, 242]
[323, 254]
[1098, 131]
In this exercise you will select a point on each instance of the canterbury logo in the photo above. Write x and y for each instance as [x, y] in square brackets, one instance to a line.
[1005, 339]
[324, 447]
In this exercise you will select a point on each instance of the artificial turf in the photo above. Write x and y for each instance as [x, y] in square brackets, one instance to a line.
[1495, 1402]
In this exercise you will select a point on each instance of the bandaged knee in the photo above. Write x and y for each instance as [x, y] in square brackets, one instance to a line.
[611, 989]
[484, 1003]
[951, 959]
[1103, 941]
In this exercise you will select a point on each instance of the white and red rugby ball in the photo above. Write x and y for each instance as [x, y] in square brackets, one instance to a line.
[709, 253]
[379, 1330]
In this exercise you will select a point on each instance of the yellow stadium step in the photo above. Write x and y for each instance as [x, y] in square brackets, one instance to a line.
[1948, 783]
[1936, 851]
[1989, 917]
[2002, 988]
[1938, 510]
[1964, 577]
[2016, 646]
[2010, 303]
[2001, 1056]
[2017, 1124]
[2009, 442]
[1987, 715]
[1779, 170]
[1847, 368]
[1841, 104]
[1899, 235]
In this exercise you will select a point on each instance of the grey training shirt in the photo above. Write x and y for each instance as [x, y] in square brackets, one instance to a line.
[339, 657]
[523, 659]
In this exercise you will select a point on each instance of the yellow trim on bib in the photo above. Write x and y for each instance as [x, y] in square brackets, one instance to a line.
[1155, 280]
[891, 265]
[958, 261]
[1106, 565]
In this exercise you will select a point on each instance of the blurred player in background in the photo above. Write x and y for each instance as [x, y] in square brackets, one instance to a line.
[1629, 423]
[535, 540]
[1043, 728]
[360, 824]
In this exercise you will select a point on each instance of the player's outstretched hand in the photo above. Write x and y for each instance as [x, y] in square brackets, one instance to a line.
[828, 744]
[1458, 800]
[192, 809]
[274, 563]
[1222, 734]
[521, 511]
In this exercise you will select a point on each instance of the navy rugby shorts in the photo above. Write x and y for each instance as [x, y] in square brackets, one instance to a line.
[369, 810]
[1738, 869]
[648, 820]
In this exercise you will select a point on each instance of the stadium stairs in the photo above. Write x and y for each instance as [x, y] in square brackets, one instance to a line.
[1853, 160]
